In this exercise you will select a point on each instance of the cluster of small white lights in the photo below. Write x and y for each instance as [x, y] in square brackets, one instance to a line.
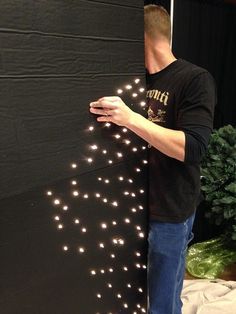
[113, 154]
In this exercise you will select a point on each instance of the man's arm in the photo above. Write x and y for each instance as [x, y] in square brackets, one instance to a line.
[169, 142]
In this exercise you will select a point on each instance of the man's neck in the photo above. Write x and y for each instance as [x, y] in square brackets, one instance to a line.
[158, 58]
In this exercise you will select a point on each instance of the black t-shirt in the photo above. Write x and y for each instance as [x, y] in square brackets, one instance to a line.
[182, 96]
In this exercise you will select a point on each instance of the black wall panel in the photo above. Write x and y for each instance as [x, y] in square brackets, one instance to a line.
[55, 58]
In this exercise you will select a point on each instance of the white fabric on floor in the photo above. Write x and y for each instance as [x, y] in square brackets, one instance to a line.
[202, 296]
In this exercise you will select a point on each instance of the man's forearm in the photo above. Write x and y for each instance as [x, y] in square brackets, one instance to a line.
[169, 142]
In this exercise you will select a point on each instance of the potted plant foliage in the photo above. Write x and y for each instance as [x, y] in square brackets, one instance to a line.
[218, 183]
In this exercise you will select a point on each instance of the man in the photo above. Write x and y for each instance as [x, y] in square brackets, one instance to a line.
[181, 99]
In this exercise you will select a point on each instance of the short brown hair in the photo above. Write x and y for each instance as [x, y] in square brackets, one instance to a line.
[157, 21]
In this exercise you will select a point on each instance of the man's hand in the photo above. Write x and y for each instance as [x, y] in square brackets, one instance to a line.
[112, 109]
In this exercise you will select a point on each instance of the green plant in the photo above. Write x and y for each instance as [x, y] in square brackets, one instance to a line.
[218, 179]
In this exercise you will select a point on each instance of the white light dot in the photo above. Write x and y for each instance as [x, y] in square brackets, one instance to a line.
[141, 191]
[93, 272]
[119, 155]
[60, 226]
[106, 181]
[103, 225]
[125, 268]
[126, 193]
[49, 192]
[133, 194]
[141, 89]
[85, 196]
[101, 245]
[144, 147]
[137, 80]
[109, 285]
[134, 94]
[130, 181]
[76, 221]
[125, 305]
[138, 170]
[142, 103]
[65, 207]
[94, 147]
[104, 151]
[90, 160]
[102, 271]
[121, 178]
[98, 195]
[114, 223]
[110, 161]
[117, 136]
[99, 295]
[57, 218]
[128, 86]
[127, 220]
[145, 161]
[75, 193]
[65, 248]
[81, 250]
[124, 130]
[137, 254]
[138, 227]
[113, 256]
[115, 203]
[111, 270]
[133, 210]
[91, 128]
[134, 149]
[129, 285]
[73, 182]
[57, 201]
[84, 230]
[138, 265]
[99, 179]
[105, 200]
[140, 206]
[73, 165]
[119, 91]
[140, 289]
[107, 124]
[119, 296]
[127, 142]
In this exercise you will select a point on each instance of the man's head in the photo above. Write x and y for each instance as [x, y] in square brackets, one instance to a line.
[157, 24]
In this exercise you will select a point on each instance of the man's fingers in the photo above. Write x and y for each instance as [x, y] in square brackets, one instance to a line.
[105, 102]
[103, 112]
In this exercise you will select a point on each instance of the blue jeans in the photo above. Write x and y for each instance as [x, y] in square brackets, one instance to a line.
[168, 244]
